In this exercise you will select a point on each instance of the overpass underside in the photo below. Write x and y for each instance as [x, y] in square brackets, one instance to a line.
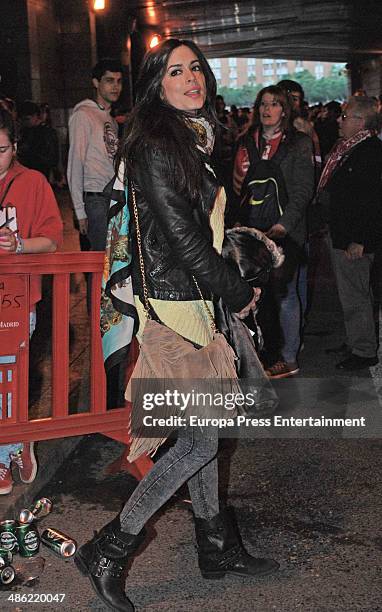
[49, 46]
[327, 30]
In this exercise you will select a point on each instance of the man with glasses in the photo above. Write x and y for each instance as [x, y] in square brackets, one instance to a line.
[352, 179]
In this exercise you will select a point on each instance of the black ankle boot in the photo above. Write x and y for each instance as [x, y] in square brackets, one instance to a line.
[104, 558]
[221, 551]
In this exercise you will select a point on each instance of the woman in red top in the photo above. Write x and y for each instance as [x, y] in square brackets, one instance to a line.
[30, 222]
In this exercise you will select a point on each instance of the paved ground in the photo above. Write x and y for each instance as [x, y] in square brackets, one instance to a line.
[315, 506]
[312, 504]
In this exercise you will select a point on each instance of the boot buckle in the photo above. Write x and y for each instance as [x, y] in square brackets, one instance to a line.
[228, 557]
[100, 566]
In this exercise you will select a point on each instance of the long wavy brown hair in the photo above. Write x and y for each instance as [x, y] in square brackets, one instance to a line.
[154, 123]
[280, 96]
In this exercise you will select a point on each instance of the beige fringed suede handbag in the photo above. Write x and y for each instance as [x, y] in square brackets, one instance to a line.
[166, 357]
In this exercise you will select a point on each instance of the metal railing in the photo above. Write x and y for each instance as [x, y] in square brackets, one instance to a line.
[15, 422]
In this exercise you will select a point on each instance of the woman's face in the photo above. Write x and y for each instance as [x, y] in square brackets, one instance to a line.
[271, 111]
[184, 85]
[7, 151]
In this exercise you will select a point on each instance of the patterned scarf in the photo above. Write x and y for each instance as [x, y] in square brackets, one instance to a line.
[205, 137]
[119, 319]
[339, 154]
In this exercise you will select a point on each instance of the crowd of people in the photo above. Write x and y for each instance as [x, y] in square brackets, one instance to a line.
[186, 168]
[283, 142]
[38, 143]
[320, 121]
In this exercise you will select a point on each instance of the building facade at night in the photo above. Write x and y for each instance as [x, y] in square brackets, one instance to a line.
[238, 71]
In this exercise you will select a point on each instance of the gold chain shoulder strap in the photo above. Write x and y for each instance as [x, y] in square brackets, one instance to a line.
[141, 262]
[209, 313]
[143, 274]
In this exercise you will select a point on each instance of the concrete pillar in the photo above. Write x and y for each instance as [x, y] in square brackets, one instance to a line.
[366, 73]
[62, 46]
[77, 49]
[48, 48]
[371, 71]
[43, 48]
[14, 54]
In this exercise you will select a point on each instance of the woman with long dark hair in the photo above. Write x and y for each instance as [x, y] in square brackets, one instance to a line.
[274, 152]
[165, 154]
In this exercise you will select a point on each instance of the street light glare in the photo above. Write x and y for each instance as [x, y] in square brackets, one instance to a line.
[154, 41]
[99, 5]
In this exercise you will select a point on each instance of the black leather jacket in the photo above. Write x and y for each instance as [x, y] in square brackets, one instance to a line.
[177, 238]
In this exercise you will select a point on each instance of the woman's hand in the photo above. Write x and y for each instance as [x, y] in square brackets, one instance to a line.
[8, 240]
[243, 314]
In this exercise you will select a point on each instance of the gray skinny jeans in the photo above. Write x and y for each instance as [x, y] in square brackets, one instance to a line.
[193, 460]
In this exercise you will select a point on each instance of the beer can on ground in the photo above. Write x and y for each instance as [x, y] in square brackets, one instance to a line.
[42, 507]
[8, 538]
[28, 539]
[5, 557]
[26, 517]
[59, 543]
[7, 575]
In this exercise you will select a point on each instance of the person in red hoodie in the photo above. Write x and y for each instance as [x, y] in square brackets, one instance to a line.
[30, 222]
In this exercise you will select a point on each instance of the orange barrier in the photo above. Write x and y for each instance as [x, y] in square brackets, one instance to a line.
[15, 424]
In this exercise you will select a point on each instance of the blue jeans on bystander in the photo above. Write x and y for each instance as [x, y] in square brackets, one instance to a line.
[7, 449]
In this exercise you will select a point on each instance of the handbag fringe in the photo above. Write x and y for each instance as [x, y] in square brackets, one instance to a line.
[166, 357]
